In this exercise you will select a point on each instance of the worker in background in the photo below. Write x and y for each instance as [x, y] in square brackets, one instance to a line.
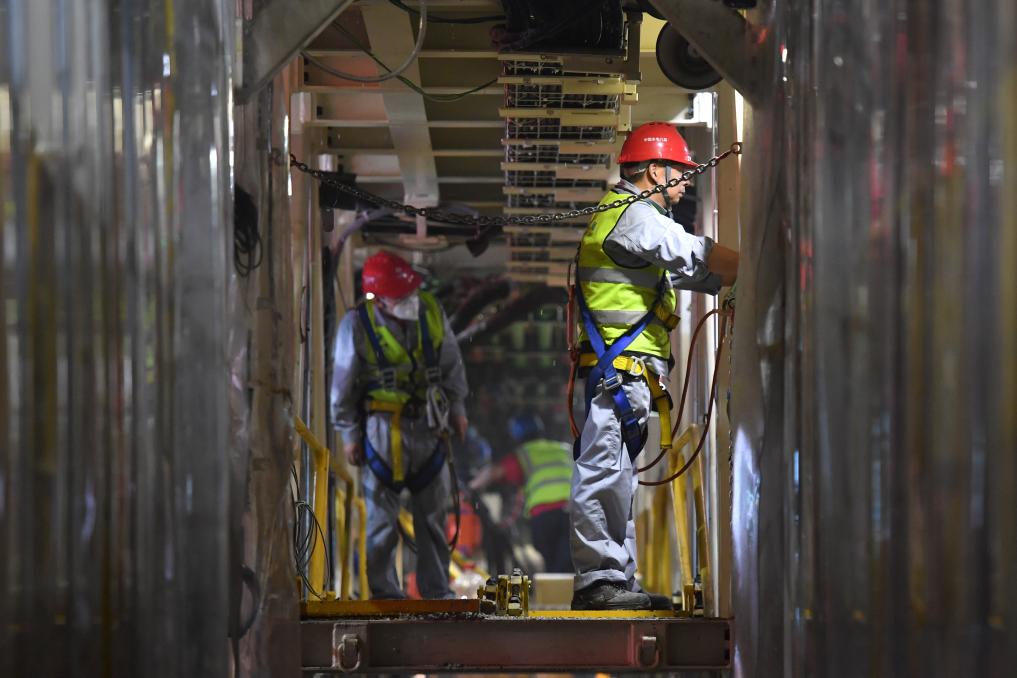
[630, 260]
[398, 387]
[544, 469]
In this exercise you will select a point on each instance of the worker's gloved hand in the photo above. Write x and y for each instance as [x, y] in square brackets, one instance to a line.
[460, 424]
[354, 453]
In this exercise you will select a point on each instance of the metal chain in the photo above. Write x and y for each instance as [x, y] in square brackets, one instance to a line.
[445, 217]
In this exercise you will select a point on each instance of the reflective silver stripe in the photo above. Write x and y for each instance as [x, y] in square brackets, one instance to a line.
[618, 317]
[638, 277]
[622, 318]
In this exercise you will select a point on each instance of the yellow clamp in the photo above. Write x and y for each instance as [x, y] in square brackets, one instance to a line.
[666, 317]
[637, 368]
[395, 434]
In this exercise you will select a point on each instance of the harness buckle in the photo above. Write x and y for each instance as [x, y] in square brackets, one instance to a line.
[637, 368]
[388, 378]
[612, 383]
[433, 375]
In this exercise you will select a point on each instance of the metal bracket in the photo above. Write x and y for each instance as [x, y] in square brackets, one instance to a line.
[277, 33]
[424, 644]
[647, 652]
[345, 652]
[726, 40]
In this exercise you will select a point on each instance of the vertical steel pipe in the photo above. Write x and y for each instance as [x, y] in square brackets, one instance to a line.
[114, 201]
[876, 352]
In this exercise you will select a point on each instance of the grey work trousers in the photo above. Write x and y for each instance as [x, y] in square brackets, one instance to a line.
[604, 482]
[428, 507]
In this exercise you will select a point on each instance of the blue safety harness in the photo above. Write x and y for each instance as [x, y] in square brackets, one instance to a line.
[423, 476]
[605, 372]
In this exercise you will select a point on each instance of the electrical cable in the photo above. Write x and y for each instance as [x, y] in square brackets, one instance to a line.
[406, 81]
[456, 496]
[421, 32]
[304, 544]
[531, 37]
[247, 248]
[449, 20]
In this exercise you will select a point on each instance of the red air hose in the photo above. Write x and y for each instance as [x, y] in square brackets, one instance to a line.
[685, 389]
[709, 410]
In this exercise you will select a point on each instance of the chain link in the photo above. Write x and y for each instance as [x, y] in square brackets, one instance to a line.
[445, 217]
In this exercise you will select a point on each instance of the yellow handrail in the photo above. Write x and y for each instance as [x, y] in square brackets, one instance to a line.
[365, 586]
[320, 456]
[680, 509]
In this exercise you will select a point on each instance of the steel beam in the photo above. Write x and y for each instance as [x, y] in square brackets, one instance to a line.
[518, 645]
[398, 179]
[357, 89]
[392, 37]
[424, 53]
[440, 153]
[277, 33]
[731, 44]
[453, 124]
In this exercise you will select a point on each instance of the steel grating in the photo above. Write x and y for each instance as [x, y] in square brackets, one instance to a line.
[555, 95]
[553, 154]
[562, 121]
[551, 128]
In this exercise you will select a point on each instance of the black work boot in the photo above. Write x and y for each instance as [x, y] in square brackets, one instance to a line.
[659, 601]
[608, 595]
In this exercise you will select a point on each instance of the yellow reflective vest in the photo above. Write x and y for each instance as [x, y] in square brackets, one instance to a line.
[619, 296]
[410, 369]
[547, 465]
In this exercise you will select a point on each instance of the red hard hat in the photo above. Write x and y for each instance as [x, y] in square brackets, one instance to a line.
[388, 275]
[655, 141]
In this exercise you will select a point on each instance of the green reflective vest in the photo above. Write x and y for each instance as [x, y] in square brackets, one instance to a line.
[410, 370]
[548, 468]
[618, 296]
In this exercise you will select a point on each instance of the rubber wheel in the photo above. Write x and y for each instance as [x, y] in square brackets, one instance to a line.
[682, 63]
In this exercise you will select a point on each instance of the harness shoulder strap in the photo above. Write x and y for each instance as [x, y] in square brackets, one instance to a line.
[372, 337]
[427, 344]
[632, 433]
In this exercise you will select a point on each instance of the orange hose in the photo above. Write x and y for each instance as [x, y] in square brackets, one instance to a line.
[570, 339]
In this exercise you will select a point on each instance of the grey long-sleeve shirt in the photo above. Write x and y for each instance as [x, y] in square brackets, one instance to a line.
[645, 233]
[349, 371]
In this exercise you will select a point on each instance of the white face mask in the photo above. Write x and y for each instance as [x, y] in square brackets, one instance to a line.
[407, 308]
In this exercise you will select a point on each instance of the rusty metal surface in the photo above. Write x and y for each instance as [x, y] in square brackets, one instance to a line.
[320, 609]
[115, 205]
[490, 644]
[264, 606]
[875, 367]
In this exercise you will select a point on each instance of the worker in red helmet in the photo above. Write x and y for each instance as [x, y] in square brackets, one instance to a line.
[398, 391]
[631, 260]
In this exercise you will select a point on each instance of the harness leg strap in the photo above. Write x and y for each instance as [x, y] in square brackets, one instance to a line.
[395, 436]
[634, 366]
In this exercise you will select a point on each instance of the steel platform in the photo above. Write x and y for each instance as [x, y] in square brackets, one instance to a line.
[338, 638]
